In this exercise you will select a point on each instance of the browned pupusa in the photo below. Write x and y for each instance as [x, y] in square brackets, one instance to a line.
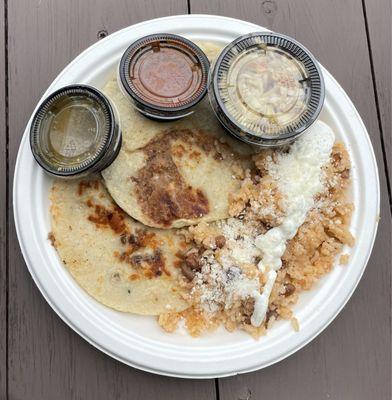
[181, 177]
[119, 262]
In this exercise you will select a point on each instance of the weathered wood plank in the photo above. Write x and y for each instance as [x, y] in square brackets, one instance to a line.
[46, 359]
[379, 15]
[351, 359]
[3, 211]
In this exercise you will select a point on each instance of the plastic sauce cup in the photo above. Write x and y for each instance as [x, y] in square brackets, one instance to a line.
[164, 75]
[75, 132]
[266, 89]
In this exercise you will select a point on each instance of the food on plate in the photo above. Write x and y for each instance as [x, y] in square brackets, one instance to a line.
[181, 177]
[164, 75]
[175, 173]
[199, 230]
[118, 261]
[289, 222]
[75, 132]
[266, 88]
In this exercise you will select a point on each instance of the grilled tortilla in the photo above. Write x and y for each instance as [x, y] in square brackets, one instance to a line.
[119, 262]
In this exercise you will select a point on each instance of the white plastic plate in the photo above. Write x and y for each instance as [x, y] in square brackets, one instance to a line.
[137, 340]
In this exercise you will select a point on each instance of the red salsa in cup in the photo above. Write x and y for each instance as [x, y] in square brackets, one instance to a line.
[164, 75]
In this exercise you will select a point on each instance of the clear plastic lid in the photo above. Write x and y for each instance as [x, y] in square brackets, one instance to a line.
[74, 131]
[265, 88]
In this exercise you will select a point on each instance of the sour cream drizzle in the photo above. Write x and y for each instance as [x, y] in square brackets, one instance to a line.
[299, 176]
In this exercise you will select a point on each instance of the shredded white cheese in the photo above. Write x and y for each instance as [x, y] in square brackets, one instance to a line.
[220, 284]
[240, 241]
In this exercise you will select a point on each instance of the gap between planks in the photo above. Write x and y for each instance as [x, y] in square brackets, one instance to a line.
[7, 185]
[376, 98]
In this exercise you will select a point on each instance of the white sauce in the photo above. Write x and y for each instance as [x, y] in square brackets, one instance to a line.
[261, 300]
[299, 177]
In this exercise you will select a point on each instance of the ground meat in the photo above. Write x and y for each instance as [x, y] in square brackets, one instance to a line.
[192, 260]
[220, 241]
[187, 271]
[289, 289]
[190, 263]
[270, 313]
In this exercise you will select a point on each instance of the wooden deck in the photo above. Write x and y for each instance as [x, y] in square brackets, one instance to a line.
[41, 358]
